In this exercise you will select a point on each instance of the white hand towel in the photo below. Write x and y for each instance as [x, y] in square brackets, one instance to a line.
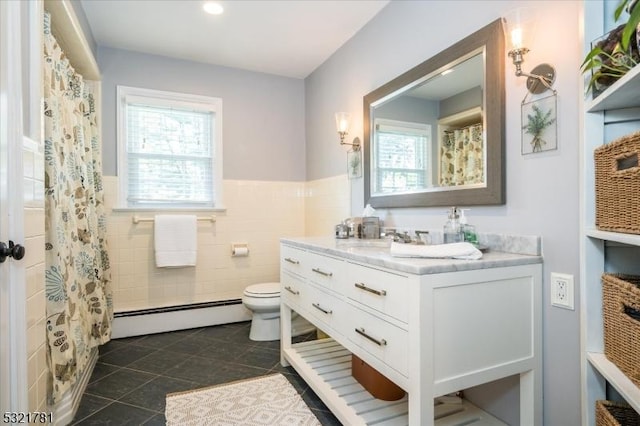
[175, 240]
[465, 251]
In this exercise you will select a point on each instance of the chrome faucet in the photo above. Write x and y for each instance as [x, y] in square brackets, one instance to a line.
[420, 239]
[401, 238]
[405, 238]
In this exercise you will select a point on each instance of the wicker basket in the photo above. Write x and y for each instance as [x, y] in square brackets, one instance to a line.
[610, 413]
[374, 382]
[617, 175]
[621, 312]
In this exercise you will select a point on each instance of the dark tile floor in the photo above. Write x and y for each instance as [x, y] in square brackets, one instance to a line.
[133, 375]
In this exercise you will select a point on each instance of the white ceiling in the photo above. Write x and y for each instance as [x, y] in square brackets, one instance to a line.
[286, 37]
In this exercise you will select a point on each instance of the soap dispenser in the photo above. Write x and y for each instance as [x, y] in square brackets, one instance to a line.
[451, 231]
[468, 231]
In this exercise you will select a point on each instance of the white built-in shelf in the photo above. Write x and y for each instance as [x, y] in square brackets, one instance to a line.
[616, 378]
[631, 239]
[618, 110]
[621, 94]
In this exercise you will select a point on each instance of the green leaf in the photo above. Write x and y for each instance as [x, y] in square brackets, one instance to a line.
[619, 9]
[591, 58]
[630, 27]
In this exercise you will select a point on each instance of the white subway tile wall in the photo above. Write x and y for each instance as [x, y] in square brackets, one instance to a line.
[34, 276]
[327, 204]
[258, 213]
[33, 170]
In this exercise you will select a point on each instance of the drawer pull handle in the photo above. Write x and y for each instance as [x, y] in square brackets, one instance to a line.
[290, 260]
[321, 272]
[361, 286]
[292, 291]
[380, 342]
[318, 307]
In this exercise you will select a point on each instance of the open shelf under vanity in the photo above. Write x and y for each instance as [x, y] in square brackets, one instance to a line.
[326, 367]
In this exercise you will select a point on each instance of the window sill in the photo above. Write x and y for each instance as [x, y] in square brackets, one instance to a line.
[171, 209]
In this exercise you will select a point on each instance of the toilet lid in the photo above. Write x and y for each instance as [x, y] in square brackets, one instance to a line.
[263, 290]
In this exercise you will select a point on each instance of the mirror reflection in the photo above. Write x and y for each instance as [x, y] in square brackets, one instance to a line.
[431, 135]
[434, 136]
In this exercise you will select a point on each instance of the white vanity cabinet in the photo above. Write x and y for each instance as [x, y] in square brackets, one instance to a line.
[431, 326]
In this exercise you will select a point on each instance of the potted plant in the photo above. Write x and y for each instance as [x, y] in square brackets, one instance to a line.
[612, 56]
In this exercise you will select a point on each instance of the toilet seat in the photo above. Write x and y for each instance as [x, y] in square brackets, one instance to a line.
[263, 290]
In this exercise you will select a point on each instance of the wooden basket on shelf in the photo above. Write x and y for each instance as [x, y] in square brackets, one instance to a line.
[374, 382]
[609, 413]
[621, 314]
[617, 180]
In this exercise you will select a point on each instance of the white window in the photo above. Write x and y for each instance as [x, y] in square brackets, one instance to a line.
[169, 149]
[401, 157]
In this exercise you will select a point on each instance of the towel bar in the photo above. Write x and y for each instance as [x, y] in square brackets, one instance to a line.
[136, 219]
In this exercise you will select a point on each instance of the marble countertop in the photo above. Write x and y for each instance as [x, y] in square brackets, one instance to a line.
[376, 253]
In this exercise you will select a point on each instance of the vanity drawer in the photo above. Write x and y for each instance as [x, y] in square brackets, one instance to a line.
[327, 272]
[293, 260]
[380, 290]
[381, 339]
[328, 309]
[293, 290]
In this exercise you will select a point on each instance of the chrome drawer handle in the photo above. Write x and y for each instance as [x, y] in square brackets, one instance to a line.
[317, 306]
[321, 272]
[380, 342]
[361, 286]
[290, 260]
[292, 291]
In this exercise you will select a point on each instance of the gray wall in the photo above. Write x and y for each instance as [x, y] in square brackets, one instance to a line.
[542, 189]
[461, 102]
[263, 129]
[407, 108]
[412, 110]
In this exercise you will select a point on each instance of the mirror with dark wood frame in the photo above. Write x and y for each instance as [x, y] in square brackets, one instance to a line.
[434, 136]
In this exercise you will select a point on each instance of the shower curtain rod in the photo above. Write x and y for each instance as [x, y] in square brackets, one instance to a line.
[136, 219]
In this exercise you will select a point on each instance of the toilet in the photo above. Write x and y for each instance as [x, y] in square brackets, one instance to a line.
[264, 301]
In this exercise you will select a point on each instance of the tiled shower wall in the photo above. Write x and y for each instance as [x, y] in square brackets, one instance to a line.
[258, 213]
[33, 186]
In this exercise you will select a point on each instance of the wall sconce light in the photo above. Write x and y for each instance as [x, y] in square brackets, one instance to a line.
[342, 124]
[520, 24]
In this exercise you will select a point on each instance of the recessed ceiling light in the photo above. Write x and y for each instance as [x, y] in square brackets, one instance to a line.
[213, 8]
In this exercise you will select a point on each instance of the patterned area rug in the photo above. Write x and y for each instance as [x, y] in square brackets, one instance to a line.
[269, 400]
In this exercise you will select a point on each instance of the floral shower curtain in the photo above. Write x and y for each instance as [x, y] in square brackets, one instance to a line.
[77, 275]
[462, 156]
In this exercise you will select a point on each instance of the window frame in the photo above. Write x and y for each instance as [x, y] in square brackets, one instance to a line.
[184, 101]
[425, 129]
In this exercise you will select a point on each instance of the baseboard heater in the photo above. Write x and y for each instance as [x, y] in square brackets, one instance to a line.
[178, 317]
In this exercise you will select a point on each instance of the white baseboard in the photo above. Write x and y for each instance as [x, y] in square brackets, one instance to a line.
[160, 322]
[65, 410]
